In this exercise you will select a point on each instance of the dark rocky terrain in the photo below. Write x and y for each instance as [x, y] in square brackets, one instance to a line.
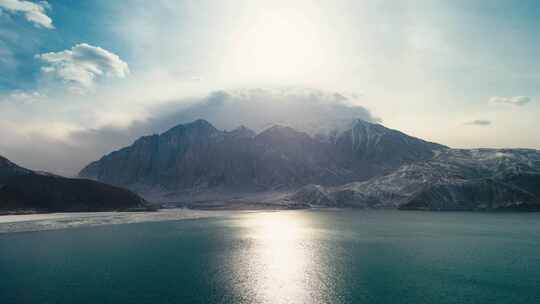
[22, 190]
[7, 168]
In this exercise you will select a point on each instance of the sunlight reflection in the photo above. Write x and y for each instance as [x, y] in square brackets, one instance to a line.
[279, 264]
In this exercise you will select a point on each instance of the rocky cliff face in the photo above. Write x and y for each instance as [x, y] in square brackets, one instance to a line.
[198, 157]
[378, 144]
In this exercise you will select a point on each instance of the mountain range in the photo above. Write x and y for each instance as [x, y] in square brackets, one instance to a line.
[363, 165]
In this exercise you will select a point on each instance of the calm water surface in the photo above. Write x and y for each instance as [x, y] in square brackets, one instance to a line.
[339, 256]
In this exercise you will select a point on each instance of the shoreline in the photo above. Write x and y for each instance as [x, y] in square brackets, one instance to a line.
[63, 220]
[248, 207]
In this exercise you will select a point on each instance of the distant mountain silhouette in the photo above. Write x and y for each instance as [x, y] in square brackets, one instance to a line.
[24, 190]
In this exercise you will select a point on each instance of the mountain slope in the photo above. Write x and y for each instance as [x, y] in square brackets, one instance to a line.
[8, 168]
[371, 149]
[379, 144]
[22, 190]
[194, 155]
[197, 157]
[456, 179]
[478, 194]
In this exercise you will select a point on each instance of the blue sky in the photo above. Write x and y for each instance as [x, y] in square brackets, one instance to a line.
[463, 73]
[74, 22]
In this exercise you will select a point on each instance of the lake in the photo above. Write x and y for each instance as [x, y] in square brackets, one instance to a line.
[303, 256]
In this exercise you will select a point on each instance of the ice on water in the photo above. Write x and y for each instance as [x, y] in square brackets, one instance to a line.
[51, 221]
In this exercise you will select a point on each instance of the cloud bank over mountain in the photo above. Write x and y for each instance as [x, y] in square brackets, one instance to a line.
[310, 110]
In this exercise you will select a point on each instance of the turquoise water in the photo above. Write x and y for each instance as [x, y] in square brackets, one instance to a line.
[339, 256]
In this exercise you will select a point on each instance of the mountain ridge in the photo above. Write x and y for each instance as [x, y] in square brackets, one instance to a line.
[456, 179]
[366, 166]
[196, 157]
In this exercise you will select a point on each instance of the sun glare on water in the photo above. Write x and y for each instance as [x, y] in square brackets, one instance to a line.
[279, 266]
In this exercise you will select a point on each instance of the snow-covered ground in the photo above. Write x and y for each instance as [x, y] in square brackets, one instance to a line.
[37, 222]
[450, 169]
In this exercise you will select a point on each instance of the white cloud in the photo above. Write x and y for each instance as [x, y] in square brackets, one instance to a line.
[83, 64]
[513, 100]
[34, 12]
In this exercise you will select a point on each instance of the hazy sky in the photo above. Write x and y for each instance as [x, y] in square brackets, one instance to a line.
[462, 73]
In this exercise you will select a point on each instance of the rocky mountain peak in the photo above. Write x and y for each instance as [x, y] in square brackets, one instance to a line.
[199, 126]
[278, 131]
[199, 123]
[242, 132]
